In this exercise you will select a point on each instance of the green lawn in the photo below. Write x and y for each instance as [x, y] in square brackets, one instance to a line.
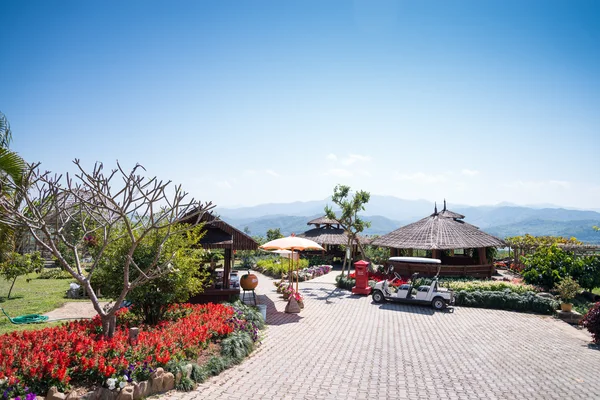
[37, 296]
[596, 291]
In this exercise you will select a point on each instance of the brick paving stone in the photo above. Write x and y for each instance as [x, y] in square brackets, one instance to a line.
[343, 346]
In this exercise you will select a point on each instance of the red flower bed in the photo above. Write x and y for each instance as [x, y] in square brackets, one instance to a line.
[77, 351]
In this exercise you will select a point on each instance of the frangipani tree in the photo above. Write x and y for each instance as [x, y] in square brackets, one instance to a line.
[65, 214]
[349, 219]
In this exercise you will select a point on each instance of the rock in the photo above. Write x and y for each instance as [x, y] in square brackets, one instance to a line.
[141, 390]
[156, 380]
[54, 394]
[546, 295]
[168, 381]
[126, 393]
[73, 395]
[104, 394]
[570, 317]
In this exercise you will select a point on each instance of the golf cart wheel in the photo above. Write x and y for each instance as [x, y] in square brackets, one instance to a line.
[439, 303]
[378, 296]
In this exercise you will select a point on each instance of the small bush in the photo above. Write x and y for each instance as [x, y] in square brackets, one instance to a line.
[345, 282]
[54, 273]
[591, 321]
[237, 346]
[185, 384]
[216, 365]
[198, 374]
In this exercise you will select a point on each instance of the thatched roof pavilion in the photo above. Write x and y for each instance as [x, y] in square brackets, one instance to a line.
[220, 235]
[328, 232]
[444, 230]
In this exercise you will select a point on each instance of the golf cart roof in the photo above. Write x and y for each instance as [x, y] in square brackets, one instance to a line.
[416, 260]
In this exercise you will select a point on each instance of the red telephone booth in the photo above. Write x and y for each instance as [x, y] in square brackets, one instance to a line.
[362, 278]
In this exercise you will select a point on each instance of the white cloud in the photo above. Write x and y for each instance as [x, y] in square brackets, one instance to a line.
[352, 158]
[422, 177]
[331, 157]
[249, 172]
[224, 185]
[272, 173]
[339, 172]
[469, 172]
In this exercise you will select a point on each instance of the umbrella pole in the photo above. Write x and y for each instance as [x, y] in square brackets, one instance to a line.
[297, 272]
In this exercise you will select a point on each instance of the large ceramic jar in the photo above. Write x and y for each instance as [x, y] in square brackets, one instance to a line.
[249, 281]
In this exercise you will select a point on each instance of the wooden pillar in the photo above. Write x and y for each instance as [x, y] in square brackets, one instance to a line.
[410, 252]
[482, 256]
[227, 264]
[436, 253]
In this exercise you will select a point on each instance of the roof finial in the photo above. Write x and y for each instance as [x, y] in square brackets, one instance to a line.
[444, 205]
[435, 208]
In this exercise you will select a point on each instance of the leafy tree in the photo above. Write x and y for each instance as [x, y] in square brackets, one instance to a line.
[274, 233]
[18, 265]
[107, 209]
[12, 168]
[349, 219]
[152, 299]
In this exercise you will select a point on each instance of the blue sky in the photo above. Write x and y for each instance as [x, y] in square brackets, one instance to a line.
[245, 102]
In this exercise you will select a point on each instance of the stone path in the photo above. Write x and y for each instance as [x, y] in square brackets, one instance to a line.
[346, 347]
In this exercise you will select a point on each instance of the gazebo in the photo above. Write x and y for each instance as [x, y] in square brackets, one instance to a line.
[329, 234]
[220, 235]
[446, 235]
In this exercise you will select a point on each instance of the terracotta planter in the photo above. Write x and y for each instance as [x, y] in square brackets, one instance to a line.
[566, 307]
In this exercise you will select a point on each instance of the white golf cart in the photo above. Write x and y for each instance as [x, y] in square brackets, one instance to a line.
[438, 297]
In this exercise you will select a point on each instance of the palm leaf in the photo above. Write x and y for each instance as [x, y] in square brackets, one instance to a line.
[12, 165]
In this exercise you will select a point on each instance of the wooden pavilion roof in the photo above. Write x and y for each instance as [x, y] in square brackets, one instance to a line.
[438, 232]
[221, 235]
[329, 235]
[323, 221]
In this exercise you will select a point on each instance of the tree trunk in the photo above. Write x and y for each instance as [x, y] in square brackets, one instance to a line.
[11, 286]
[109, 323]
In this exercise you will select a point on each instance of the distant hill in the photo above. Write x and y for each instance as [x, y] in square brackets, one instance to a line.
[289, 224]
[388, 213]
[582, 230]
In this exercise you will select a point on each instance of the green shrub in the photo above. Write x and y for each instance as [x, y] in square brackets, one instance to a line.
[198, 374]
[54, 273]
[549, 265]
[506, 300]
[344, 282]
[568, 289]
[249, 313]
[237, 346]
[216, 365]
[278, 267]
[487, 286]
[591, 321]
[185, 384]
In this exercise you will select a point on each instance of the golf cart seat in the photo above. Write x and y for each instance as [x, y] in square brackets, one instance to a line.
[423, 288]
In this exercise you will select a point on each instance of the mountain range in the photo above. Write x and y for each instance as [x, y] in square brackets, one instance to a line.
[387, 213]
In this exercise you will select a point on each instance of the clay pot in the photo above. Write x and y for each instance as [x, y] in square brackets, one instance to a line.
[566, 307]
[249, 281]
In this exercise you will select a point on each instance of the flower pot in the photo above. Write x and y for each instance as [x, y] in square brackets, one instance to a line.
[301, 303]
[566, 307]
[286, 296]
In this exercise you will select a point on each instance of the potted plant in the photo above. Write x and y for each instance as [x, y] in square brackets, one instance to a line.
[299, 298]
[287, 292]
[568, 288]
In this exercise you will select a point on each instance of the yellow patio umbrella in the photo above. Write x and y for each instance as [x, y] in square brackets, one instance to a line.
[293, 243]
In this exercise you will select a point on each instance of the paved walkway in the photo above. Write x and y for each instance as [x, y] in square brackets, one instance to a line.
[346, 347]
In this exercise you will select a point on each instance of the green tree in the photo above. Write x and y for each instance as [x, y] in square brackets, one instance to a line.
[186, 279]
[102, 204]
[274, 233]
[349, 219]
[18, 265]
[12, 169]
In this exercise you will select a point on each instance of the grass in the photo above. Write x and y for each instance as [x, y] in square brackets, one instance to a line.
[38, 296]
[596, 291]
